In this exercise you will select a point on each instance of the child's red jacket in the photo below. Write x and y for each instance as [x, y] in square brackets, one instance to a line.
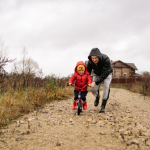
[81, 80]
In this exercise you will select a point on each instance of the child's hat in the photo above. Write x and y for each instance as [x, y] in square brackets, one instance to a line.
[81, 67]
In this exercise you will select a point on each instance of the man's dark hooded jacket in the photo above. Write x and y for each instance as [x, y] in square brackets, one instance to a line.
[103, 68]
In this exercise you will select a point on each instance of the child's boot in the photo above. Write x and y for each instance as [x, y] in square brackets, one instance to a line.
[85, 105]
[73, 106]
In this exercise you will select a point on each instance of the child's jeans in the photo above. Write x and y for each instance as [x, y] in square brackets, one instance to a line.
[83, 95]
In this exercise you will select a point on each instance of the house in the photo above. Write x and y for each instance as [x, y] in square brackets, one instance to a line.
[124, 70]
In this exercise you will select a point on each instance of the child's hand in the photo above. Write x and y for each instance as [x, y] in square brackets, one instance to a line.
[89, 85]
[70, 84]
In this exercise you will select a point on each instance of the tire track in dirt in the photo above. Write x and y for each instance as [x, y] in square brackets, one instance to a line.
[125, 125]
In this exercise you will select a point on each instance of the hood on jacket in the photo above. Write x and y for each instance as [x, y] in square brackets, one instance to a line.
[94, 52]
[80, 63]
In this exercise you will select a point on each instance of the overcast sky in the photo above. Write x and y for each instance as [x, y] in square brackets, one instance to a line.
[59, 33]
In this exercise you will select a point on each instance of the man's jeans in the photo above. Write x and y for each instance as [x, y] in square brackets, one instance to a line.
[106, 88]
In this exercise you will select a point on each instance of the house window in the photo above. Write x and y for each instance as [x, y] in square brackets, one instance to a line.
[118, 75]
[125, 75]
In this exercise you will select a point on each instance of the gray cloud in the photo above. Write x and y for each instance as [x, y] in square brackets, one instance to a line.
[72, 28]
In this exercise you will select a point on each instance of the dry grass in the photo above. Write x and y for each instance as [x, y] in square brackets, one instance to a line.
[14, 104]
[20, 94]
[141, 87]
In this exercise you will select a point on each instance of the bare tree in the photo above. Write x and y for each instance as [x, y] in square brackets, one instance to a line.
[27, 66]
[3, 56]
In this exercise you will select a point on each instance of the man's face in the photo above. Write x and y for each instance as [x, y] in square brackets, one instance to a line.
[95, 59]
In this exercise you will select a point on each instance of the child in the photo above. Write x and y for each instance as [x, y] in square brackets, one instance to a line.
[82, 78]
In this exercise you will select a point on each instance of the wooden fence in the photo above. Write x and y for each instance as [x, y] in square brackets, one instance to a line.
[125, 80]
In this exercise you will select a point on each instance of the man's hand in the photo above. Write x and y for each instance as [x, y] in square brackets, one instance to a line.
[93, 84]
[70, 84]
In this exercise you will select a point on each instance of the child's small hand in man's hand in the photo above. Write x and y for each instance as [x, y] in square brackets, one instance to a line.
[89, 85]
[70, 84]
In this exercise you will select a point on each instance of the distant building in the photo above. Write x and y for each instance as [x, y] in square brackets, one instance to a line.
[124, 70]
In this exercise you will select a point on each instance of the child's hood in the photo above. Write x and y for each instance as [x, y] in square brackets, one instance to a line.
[81, 63]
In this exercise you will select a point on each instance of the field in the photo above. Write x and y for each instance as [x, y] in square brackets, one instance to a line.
[25, 93]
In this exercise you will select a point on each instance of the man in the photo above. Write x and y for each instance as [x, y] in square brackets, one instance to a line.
[101, 65]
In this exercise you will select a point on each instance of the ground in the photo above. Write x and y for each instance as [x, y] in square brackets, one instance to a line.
[124, 126]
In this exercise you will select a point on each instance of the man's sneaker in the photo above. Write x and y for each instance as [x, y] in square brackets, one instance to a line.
[85, 105]
[73, 106]
[96, 102]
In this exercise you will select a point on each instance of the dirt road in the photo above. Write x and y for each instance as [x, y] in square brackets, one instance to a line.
[125, 125]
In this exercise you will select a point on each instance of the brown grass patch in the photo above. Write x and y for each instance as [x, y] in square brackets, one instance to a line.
[14, 104]
[141, 87]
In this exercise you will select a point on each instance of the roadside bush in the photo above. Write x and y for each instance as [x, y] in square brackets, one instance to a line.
[23, 93]
[142, 87]
[145, 84]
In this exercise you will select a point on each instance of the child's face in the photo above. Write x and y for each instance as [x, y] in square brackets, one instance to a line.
[80, 72]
